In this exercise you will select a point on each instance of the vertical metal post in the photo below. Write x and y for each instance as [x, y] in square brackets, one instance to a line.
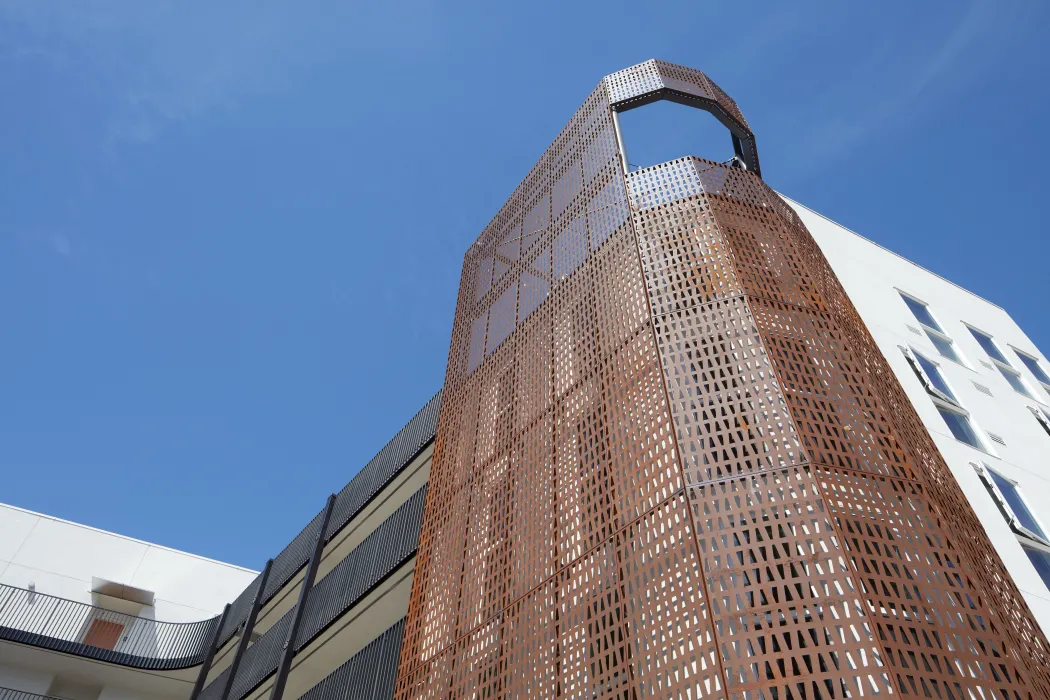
[281, 679]
[619, 143]
[246, 636]
[209, 656]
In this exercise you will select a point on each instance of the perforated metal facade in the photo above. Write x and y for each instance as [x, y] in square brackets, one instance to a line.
[671, 461]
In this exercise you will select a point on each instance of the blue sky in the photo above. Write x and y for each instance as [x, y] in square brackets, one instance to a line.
[231, 230]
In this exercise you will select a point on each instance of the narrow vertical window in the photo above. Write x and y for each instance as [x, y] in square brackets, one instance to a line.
[1011, 375]
[921, 311]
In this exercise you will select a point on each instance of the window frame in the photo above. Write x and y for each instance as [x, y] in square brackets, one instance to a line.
[943, 402]
[1005, 368]
[912, 356]
[1032, 546]
[955, 408]
[931, 332]
[1041, 415]
[1022, 356]
[985, 473]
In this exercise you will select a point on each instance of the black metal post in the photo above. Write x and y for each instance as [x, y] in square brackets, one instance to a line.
[249, 625]
[209, 655]
[281, 679]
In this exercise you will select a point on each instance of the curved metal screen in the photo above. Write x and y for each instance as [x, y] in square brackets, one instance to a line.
[671, 461]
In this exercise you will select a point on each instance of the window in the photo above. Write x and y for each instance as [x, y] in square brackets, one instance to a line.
[1041, 561]
[936, 379]
[945, 345]
[1011, 375]
[989, 346]
[1043, 416]
[959, 425]
[922, 313]
[1014, 379]
[955, 416]
[1014, 508]
[1033, 366]
[1013, 504]
[929, 374]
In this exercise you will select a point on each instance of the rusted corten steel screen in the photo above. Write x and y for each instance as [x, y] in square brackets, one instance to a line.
[671, 461]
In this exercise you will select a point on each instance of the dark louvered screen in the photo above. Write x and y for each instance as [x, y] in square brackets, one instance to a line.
[239, 611]
[387, 464]
[9, 694]
[293, 557]
[361, 570]
[368, 564]
[213, 691]
[368, 675]
[261, 658]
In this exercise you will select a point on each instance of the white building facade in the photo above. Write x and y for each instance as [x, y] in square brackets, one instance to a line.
[979, 384]
[73, 583]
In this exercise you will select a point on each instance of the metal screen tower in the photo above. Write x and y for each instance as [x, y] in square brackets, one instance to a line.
[671, 461]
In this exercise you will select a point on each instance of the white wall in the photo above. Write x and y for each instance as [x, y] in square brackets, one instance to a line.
[871, 276]
[61, 558]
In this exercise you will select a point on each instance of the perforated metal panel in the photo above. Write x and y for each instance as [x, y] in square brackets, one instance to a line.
[671, 461]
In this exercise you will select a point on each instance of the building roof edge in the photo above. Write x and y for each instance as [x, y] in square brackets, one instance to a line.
[793, 202]
[129, 539]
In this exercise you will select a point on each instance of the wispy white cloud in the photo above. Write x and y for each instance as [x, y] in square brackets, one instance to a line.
[153, 62]
[54, 242]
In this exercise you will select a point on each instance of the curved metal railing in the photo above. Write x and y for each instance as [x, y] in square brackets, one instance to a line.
[42, 620]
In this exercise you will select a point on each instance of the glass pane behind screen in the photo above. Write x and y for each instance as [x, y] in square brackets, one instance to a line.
[943, 346]
[1033, 366]
[1041, 562]
[921, 313]
[935, 376]
[988, 346]
[960, 427]
[1017, 505]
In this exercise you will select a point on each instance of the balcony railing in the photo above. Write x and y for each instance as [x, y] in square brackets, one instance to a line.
[9, 694]
[370, 481]
[368, 675]
[371, 562]
[42, 620]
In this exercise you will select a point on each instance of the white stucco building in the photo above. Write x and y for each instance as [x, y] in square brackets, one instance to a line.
[112, 584]
[983, 393]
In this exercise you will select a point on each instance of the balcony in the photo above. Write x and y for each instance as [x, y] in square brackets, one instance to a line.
[41, 620]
